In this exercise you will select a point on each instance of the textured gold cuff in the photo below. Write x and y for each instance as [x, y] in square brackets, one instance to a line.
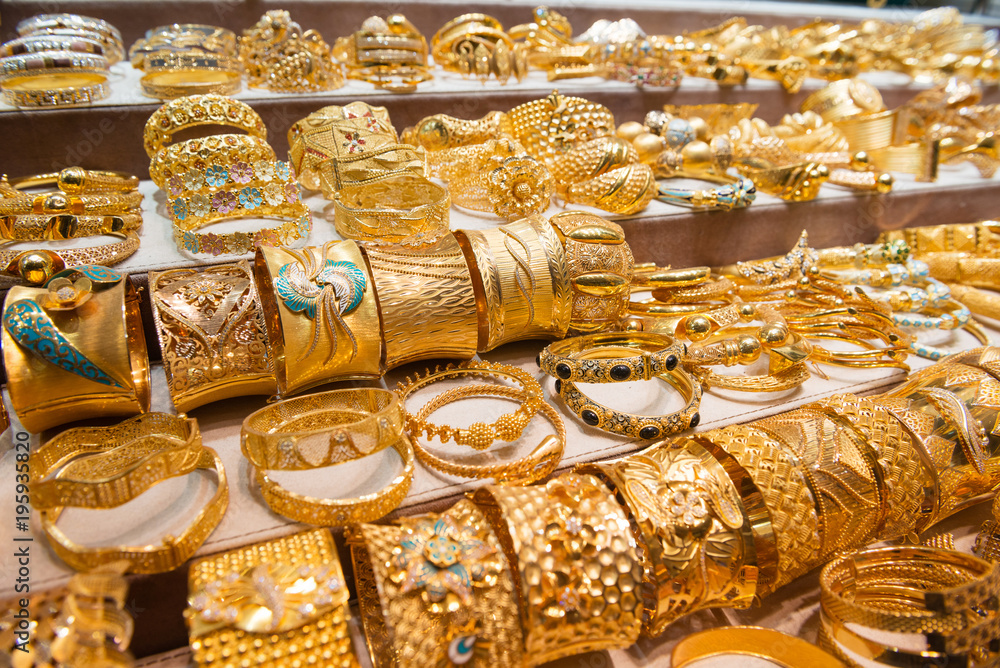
[406, 209]
[577, 566]
[437, 590]
[212, 334]
[321, 315]
[282, 603]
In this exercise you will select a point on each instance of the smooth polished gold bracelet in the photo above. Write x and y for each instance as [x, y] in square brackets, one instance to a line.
[324, 430]
[772, 646]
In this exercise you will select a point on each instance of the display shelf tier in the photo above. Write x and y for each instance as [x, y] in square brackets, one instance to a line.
[108, 134]
[334, 18]
[167, 507]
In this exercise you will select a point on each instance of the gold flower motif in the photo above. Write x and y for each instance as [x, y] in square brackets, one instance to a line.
[204, 292]
[519, 187]
[65, 295]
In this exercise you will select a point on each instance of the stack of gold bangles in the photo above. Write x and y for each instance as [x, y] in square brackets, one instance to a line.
[59, 59]
[389, 53]
[187, 59]
[85, 203]
[280, 56]
[222, 176]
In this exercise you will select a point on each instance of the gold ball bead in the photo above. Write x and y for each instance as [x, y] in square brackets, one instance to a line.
[773, 335]
[748, 312]
[72, 179]
[632, 324]
[433, 134]
[804, 282]
[630, 130]
[749, 348]
[883, 184]
[860, 161]
[790, 296]
[36, 267]
[697, 156]
[697, 328]
[648, 146]
[700, 127]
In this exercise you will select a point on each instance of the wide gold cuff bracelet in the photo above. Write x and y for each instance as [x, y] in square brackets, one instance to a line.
[126, 465]
[403, 208]
[282, 603]
[523, 286]
[212, 334]
[322, 430]
[426, 299]
[436, 590]
[683, 507]
[75, 349]
[321, 315]
[561, 540]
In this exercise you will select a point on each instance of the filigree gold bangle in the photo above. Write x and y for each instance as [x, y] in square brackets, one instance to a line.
[550, 127]
[403, 209]
[195, 111]
[683, 507]
[56, 227]
[479, 436]
[36, 267]
[426, 300]
[321, 315]
[206, 164]
[283, 603]
[280, 56]
[574, 526]
[84, 463]
[623, 190]
[437, 590]
[212, 334]
[523, 287]
[183, 37]
[75, 349]
[592, 358]
[538, 464]
[164, 556]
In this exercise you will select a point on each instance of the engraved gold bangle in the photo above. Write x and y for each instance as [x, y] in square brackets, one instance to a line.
[345, 425]
[772, 646]
[196, 111]
[169, 76]
[478, 436]
[183, 37]
[404, 208]
[623, 190]
[321, 315]
[206, 164]
[523, 286]
[682, 505]
[844, 99]
[389, 53]
[426, 300]
[212, 334]
[627, 424]
[575, 528]
[56, 227]
[422, 608]
[538, 464]
[611, 357]
[83, 470]
[164, 556]
[58, 202]
[75, 349]
[53, 78]
[36, 267]
[42, 24]
[302, 619]
[987, 543]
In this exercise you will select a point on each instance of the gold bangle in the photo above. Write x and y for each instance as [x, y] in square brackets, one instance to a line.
[668, 278]
[58, 202]
[600, 265]
[479, 436]
[844, 99]
[576, 603]
[682, 506]
[646, 427]
[353, 424]
[183, 37]
[159, 446]
[195, 111]
[844, 642]
[164, 556]
[437, 590]
[77, 181]
[842, 471]
[426, 301]
[523, 288]
[212, 334]
[389, 53]
[321, 315]
[550, 127]
[301, 618]
[36, 267]
[718, 287]
[56, 227]
[75, 24]
[909, 476]
[207, 164]
[738, 192]
[442, 131]
[593, 158]
[772, 646]
[976, 238]
[538, 464]
[403, 209]
[169, 76]
[322, 136]
[280, 56]
[54, 78]
[623, 190]
[475, 44]
[611, 357]
[75, 349]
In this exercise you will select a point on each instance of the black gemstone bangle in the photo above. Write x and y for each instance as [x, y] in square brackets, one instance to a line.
[612, 357]
[646, 427]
